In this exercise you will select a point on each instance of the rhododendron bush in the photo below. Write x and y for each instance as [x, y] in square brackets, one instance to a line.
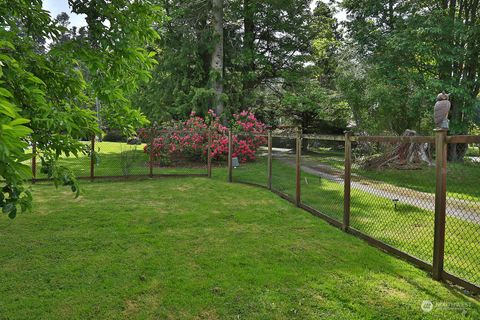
[188, 140]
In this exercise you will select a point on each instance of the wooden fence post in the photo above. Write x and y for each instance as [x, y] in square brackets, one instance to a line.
[347, 182]
[92, 158]
[270, 157]
[230, 153]
[34, 161]
[440, 202]
[209, 154]
[150, 162]
[153, 133]
[298, 168]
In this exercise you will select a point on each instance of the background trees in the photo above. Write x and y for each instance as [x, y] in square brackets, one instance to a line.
[292, 62]
[413, 49]
[278, 57]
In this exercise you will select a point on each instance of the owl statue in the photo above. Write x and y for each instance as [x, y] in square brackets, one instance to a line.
[442, 107]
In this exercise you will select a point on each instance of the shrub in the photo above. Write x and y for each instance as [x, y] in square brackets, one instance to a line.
[113, 136]
[189, 139]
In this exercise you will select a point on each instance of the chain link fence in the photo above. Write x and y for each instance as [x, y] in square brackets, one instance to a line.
[179, 153]
[283, 176]
[250, 159]
[397, 193]
[393, 196]
[322, 181]
[462, 227]
[118, 159]
[168, 153]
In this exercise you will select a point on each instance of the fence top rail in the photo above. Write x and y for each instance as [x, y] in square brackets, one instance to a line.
[251, 134]
[324, 137]
[392, 139]
[401, 139]
[463, 139]
[285, 136]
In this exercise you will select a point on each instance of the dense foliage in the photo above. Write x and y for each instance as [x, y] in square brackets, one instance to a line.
[47, 92]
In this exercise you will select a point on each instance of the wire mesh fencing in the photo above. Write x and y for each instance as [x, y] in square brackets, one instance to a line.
[462, 227]
[393, 195]
[398, 193]
[80, 164]
[388, 191]
[165, 153]
[119, 159]
[218, 164]
[283, 177]
[250, 158]
[322, 180]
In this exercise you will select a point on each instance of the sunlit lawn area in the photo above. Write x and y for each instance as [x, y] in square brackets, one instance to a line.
[409, 228]
[195, 248]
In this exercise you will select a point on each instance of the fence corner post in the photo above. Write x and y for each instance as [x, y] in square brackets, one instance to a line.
[270, 157]
[34, 162]
[230, 153]
[440, 202]
[298, 172]
[209, 154]
[92, 158]
[347, 181]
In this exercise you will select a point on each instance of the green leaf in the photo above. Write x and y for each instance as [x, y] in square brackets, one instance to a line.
[4, 92]
[9, 207]
[13, 213]
[18, 121]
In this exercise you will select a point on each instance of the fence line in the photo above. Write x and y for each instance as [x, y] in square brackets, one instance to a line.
[430, 232]
[435, 228]
[137, 163]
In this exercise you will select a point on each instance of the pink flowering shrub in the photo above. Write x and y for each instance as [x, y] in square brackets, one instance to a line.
[245, 142]
[189, 139]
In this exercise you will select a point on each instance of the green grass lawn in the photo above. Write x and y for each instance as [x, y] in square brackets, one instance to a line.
[408, 228]
[195, 248]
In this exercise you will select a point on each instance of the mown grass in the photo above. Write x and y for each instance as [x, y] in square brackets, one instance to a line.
[408, 227]
[195, 248]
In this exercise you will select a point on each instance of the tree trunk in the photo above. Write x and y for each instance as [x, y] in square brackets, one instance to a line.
[217, 56]
[402, 155]
[248, 50]
[457, 152]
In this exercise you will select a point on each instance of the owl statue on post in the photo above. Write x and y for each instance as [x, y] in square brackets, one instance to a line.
[442, 107]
